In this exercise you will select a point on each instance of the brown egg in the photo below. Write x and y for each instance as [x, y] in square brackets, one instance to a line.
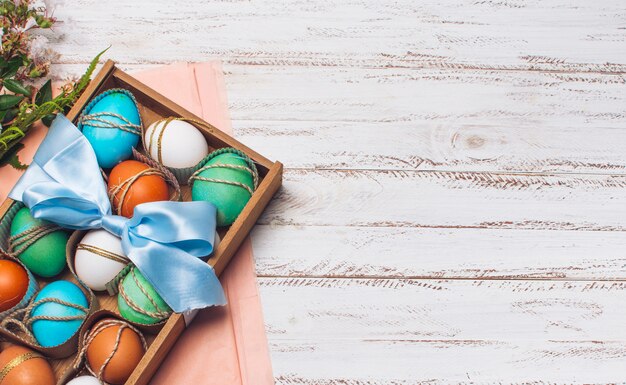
[13, 284]
[125, 355]
[22, 366]
[146, 188]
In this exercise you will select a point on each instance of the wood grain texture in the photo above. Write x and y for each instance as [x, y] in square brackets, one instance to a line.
[449, 199]
[392, 252]
[454, 197]
[504, 34]
[381, 331]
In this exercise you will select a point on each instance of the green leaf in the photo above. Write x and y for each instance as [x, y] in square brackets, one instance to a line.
[16, 87]
[11, 158]
[10, 114]
[8, 101]
[44, 94]
[84, 80]
[47, 120]
[12, 67]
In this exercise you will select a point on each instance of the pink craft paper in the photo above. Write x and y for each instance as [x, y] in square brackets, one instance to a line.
[223, 345]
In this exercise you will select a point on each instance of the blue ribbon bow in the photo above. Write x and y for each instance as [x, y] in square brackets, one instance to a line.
[163, 239]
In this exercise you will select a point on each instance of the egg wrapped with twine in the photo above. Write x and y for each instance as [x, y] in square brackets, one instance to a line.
[113, 349]
[138, 301]
[22, 366]
[56, 313]
[99, 258]
[132, 183]
[112, 125]
[39, 244]
[228, 180]
[176, 143]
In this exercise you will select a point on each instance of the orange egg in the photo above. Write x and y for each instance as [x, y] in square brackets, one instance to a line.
[125, 354]
[149, 187]
[22, 366]
[13, 284]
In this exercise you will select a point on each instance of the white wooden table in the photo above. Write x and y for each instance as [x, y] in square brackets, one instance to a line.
[454, 206]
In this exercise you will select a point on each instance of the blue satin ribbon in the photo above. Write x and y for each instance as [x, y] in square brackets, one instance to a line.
[163, 239]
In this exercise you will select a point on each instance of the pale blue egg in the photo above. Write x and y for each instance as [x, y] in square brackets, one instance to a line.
[113, 108]
[50, 333]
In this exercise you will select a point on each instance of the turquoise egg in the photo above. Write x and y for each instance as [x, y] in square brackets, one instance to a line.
[100, 122]
[50, 333]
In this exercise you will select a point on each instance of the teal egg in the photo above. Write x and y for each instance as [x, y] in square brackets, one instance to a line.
[50, 333]
[46, 256]
[111, 145]
[228, 199]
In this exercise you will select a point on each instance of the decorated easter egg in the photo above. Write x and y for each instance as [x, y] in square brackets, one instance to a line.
[39, 244]
[22, 366]
[132, 183]
[114, 348]
[67, 319]
[14, 284]
[226, 180]
[112, 124]
[84, 380]
[175, 143]
[138, 301]
[99, 258]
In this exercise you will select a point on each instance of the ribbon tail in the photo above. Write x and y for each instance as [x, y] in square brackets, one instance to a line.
[184, 282]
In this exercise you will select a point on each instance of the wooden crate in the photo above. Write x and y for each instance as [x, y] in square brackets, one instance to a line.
[154, 106]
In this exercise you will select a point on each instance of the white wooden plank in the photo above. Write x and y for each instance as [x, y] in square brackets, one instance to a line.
[565, 35]
[380, 331]
[449, 199]
[388, 252]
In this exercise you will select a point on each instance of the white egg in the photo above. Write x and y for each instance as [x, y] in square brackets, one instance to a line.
[84, 380]
[97, 270]
[182, 144]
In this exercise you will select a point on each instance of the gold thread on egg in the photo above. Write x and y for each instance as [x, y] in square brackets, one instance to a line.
[18, 243]
[17, 361]
[157, 314]
[103, 253]
[125, 185]
[251, 169]
[93, 333]
[166, 122]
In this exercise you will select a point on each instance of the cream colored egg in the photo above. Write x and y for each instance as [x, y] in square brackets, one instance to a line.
[99, 258]
[181, 144]
[84, 380]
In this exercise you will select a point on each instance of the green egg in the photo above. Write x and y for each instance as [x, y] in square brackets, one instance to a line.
[137, 299]
[229, 199]
[46, 256]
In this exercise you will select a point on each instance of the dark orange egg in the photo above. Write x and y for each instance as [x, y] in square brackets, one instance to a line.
[13, 284]
[125, 353]
[124, 179]
[23, 366]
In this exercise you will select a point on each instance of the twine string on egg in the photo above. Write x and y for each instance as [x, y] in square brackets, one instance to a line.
[125, 185]
[176, 195]
[18, 243]
[158, 313]
[148, 146]
[22, 320]
[17, 361]
[103, 253]
[93, 333]
[250, 168]
[98, 120]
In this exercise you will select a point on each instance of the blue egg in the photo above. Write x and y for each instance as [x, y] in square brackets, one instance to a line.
[50, 333]
[112, 109]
